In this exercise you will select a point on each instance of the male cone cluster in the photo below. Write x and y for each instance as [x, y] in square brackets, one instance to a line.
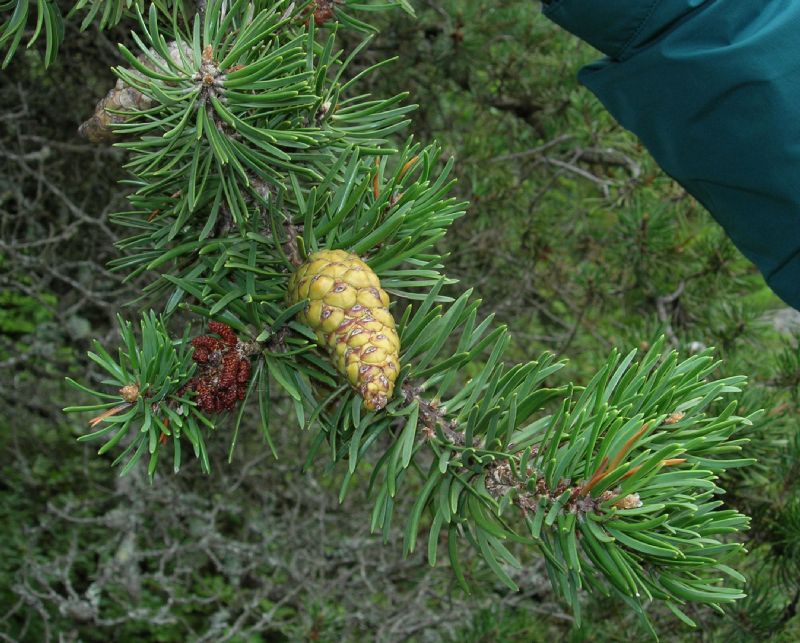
[349, 311]
[223, 370]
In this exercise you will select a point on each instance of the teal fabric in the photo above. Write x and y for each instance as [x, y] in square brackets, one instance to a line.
[712, 88]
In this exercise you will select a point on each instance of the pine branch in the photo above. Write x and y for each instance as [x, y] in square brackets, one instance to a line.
[250, 155]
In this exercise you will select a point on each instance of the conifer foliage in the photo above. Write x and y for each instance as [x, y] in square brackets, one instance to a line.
[271, 204]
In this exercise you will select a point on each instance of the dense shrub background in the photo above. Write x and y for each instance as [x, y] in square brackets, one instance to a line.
[575, 238]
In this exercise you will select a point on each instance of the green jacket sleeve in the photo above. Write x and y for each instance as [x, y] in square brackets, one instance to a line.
[712, 88]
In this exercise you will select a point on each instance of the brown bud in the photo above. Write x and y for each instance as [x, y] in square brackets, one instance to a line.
[129, 393]
[675, 417]
[631, 501]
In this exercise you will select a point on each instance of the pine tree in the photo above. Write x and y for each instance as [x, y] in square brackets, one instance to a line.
[251, 160]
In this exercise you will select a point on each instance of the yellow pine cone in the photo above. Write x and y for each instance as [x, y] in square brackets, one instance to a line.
[349, 311]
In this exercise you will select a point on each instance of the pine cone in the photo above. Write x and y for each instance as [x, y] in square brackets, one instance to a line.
[121, 98]
[124, 98]
[349, 311]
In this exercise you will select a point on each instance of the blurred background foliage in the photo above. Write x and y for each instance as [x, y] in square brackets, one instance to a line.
[574, 237]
